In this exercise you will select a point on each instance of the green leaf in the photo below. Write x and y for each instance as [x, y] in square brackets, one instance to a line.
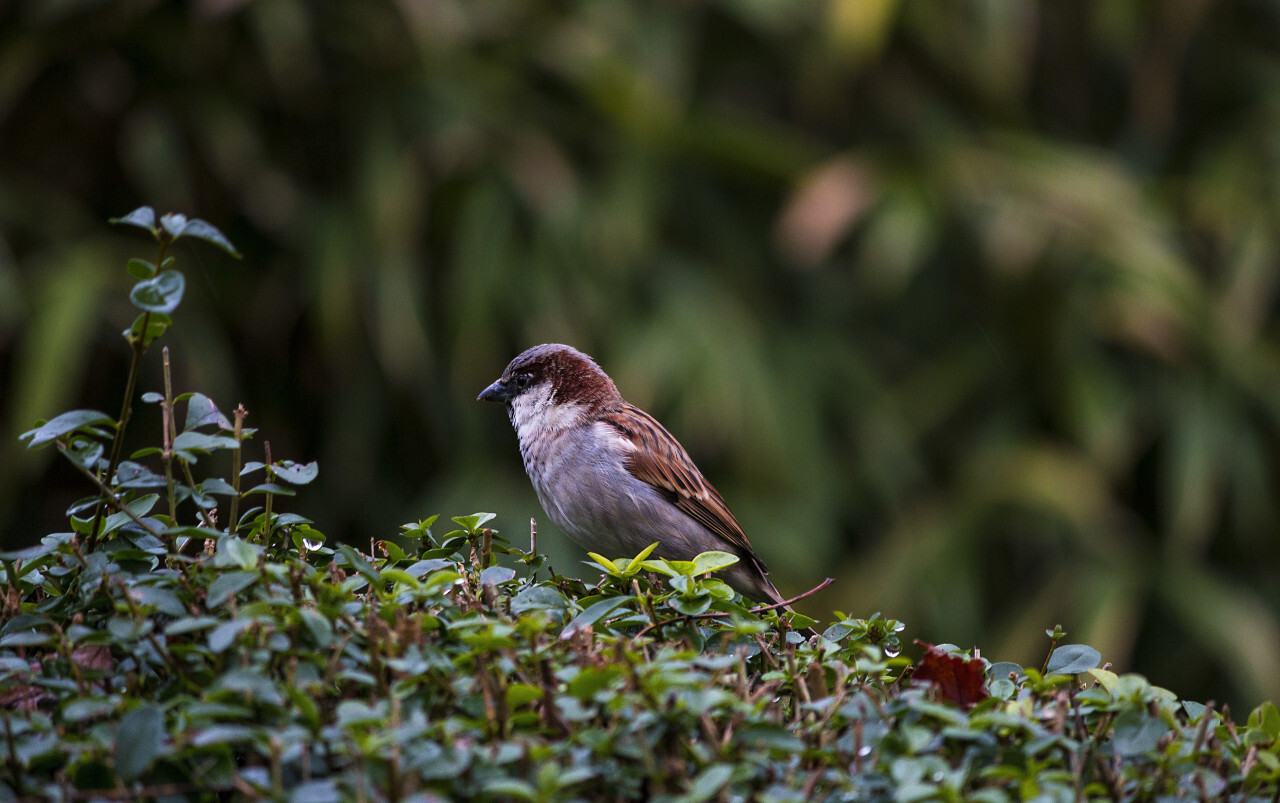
[225, 586]
[496, 575]
[603, 562]
[1136, 732]
[539, 598]
[144, 217]
[65, 423]
[84, 452]
[1266, 717]
[691, 605]
[143, 504]
[162, 294]
[139, 741]
[713, 561]
[708, 783]
[318, 626]
[358, 562]
[493, 638]
[393, 552]
[207, 232]
[190, 624]
[201, 442]
[140, 268]
[159, 599]
[638, 561]
[25, 638]
[216, 485]
[29, 553]
[82, 710]
[201, 411]
[256, 685]
[474, 522]
[424, 566]
[222, 734]
[419, 529]
[774, 737]
[440, 578]
[591, 680]
[233, 551]
[136, 475]
[271, 489]
[356, 712]
[296, 473]
[322, 791]
[124, 629]
[139, 507]
[594, 614]
[671, 568]
[519, 694]
[156, 324]
[1194, 710]
[25, 621]
[1072, 659]
[1108, 679]
[509, 788]
[173, 223]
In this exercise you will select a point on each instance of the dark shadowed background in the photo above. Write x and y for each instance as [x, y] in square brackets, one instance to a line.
[971, 306]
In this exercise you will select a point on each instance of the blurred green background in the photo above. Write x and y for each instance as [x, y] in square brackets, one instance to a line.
[970, 305]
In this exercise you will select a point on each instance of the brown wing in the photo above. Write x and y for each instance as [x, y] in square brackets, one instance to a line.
[661, 461]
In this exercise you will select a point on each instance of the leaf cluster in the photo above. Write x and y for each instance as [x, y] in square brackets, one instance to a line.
[454, 665]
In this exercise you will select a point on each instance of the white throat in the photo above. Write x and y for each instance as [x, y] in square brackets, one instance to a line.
[534, 413]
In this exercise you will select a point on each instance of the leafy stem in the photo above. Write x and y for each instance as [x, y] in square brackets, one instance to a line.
[171, 434]
[139, 347]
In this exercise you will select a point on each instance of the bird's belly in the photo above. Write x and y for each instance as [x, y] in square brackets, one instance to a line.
[606, 510]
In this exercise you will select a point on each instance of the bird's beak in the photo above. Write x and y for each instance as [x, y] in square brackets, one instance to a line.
[497, 392]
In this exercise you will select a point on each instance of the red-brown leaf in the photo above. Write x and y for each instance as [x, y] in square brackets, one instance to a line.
[24, 697]
[94, 657]
[960, 680]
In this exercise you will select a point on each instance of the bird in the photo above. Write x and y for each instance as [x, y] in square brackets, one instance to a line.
[609, 475]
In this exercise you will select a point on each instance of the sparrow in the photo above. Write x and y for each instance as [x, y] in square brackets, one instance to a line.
[612, 477]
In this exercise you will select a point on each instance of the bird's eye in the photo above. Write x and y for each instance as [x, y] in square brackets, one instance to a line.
[523, 380]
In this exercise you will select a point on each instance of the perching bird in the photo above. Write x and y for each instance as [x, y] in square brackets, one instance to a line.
[609, 475]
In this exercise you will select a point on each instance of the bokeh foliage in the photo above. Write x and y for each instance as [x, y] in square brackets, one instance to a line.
[971, 305]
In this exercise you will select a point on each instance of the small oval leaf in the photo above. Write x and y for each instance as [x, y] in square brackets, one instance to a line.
[141, 740]
[144, 217]
[67, 422]
[160, 294]
[1072, 659]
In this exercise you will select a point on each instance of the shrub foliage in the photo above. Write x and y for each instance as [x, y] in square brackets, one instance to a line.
[189, 639]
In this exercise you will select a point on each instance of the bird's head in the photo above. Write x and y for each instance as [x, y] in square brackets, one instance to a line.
[551, 385]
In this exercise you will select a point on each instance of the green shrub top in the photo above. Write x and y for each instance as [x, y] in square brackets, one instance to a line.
[187, 639]
[289, 668]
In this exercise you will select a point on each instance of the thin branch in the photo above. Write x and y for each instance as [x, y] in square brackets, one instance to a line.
[109, 498]
[787, 602]
[139, 347]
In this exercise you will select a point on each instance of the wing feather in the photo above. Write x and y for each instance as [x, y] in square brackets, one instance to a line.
[660, 460]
